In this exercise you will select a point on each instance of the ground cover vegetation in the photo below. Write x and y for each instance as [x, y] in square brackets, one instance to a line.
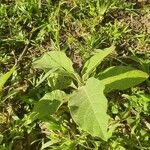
[74, 74]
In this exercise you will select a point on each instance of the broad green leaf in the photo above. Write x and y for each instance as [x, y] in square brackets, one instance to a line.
[5, 77]
[49, 104]
[94, 61]
[88, 106]
[121, 78]
[59, 81]
[54, 59]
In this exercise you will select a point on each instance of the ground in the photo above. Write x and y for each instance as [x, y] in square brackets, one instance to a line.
[30, 28]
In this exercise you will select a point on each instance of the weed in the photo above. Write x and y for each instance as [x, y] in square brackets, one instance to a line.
[79, 93]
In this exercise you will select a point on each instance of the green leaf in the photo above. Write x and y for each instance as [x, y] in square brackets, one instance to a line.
[54, 59]
[88, 107]
[48, 104]
[46, 75]
[59, 81]
[5, 77]
[121, 78]
[94, 61]
[1, 138]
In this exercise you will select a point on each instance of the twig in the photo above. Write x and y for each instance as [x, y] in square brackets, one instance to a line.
[24, 50]
[147, 124]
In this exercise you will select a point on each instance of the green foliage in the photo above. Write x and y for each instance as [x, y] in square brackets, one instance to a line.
[49, 104]
[58, 61]
[121, 78]
[143, 64]
[59, 81]
[80, 92]
[139, 101]
[88, 107]
[5, 77]
[87, 104]
[94, 61]
[55, 59]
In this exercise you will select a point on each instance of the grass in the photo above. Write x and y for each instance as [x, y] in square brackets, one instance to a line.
[29, 28]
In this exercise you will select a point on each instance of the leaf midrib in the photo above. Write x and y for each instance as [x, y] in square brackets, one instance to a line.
[84, 88]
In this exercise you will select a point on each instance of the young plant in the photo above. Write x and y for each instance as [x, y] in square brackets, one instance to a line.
[87, 101]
